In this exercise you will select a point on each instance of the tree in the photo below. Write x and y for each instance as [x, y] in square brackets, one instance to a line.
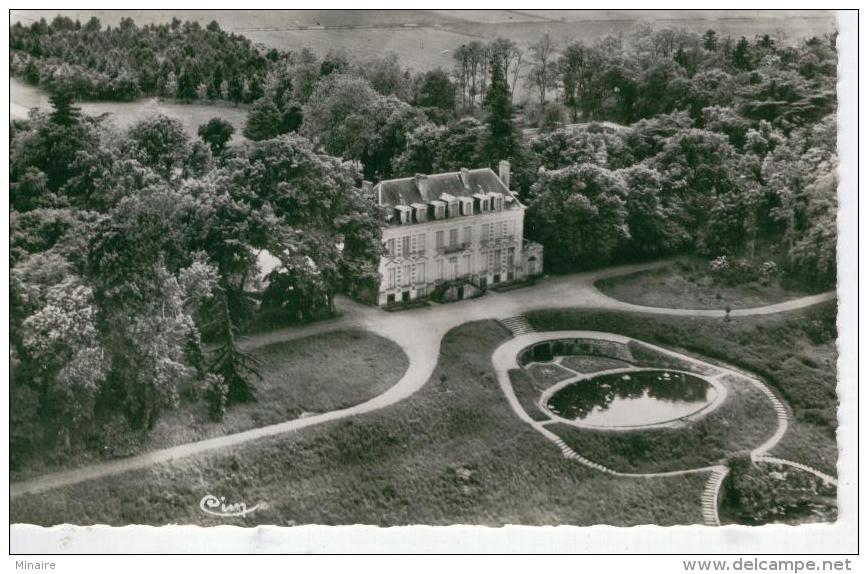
[582, 72]
[159, 142]
[216, 133]
[651, 232]
[434, 89]
[813, 255]
[501, 138]
[349, 119]
[148, 285]
[510, 56]
[543, 73]
[579, 214]
[63, 112]
[741, 57]
[263, 120]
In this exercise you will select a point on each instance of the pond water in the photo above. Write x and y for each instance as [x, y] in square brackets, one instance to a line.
[636, 398]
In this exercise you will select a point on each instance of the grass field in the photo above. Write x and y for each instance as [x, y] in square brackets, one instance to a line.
[528, 391]
[298, 377]
[589, 364]
[549, 373]
[22, 97]
[688, 286]
[453, 453]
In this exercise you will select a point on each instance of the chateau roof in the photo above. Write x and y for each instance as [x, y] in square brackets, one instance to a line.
[406, 191]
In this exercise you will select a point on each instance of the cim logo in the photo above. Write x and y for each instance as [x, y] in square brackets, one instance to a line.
[214, 506]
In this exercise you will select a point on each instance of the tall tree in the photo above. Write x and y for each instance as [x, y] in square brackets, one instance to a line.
[543, 72]
[502, 139]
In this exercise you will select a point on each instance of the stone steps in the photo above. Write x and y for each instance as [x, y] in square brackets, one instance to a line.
[517, 325]
[570, 454]
[711, 494]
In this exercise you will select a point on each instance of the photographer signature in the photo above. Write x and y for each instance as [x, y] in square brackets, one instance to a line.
[210, 504]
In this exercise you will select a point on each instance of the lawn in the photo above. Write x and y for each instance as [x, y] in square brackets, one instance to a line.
[123, 115]
[547, 374]
[527, 390]
[744, 421]
[591, 364]
[453, 453]
[687, 285]
[298, 377]
[794, 353]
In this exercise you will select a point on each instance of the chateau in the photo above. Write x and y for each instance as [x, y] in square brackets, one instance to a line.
[452, 235]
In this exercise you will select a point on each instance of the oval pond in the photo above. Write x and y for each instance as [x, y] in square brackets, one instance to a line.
[632, 399]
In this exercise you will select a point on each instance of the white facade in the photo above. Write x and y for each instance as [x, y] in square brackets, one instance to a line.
[473, 245]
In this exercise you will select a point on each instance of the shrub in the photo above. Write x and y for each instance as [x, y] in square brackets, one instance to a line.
[757, 494]
[217, 396]
[732, 270]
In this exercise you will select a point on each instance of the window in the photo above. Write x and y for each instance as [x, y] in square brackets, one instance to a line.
[510, 257]
[468, 235]
[439, 269]
[453, 237]
[421, 214]
[453, 267]
[439, 239]
[439, 210]
[393, 278]
[390, 247]
[405, 246]
[486, 227]
[420, 243]
[420, 273]
[466, 207]
[465, 265]
[484, 205]
[406, 275]
[453, 209]
[498, 259]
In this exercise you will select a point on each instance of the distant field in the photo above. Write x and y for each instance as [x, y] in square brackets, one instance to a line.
[22, 97]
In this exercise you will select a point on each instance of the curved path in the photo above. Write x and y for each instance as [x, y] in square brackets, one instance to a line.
[419, 333]
[505, 358]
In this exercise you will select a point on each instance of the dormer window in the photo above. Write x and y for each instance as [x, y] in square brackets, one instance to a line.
[439, 209]
[496, 202]
[451, 204]
[466, 206]
[420, 212]
[404, 212]
[481, 200]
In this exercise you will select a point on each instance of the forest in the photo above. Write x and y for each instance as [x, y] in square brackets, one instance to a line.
[134, 253]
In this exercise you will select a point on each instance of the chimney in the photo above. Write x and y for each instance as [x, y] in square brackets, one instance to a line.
[504, 172]
[465, 177]
[422, 185]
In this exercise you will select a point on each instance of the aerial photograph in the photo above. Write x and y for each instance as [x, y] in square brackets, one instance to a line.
[423, 267]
